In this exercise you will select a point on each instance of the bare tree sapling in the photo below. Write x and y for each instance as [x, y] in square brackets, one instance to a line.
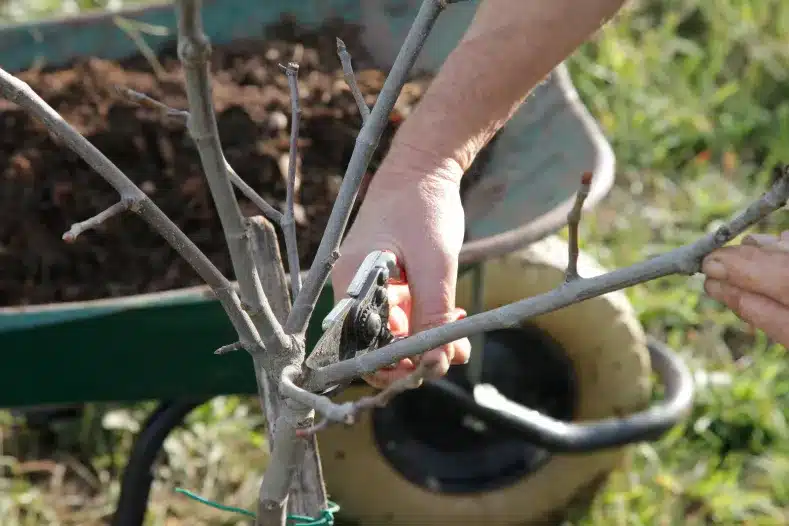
[270, 317]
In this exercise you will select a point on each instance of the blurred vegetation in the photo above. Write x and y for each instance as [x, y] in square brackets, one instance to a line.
[19, 11]
[692, 95]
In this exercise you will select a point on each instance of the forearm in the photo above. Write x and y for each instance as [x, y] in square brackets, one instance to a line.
[510, 46]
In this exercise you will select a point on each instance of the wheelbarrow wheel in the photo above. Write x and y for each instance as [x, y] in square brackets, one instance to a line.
[415, 461]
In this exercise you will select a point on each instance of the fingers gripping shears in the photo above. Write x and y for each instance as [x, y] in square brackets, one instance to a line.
[359, 322]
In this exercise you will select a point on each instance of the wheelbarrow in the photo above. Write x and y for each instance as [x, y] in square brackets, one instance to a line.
[571, 388]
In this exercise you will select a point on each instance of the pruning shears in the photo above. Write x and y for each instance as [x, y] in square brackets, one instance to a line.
[359, 322]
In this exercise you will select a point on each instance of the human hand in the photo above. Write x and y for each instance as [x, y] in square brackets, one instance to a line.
[420, 219]
[752, 279]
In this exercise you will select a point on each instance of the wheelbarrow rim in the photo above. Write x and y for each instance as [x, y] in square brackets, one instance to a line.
[477, 250]
[564, 437]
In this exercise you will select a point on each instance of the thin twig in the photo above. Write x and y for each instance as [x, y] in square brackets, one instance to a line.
[141, 99]
[573, 220]
[348, 412]
[366, 142]
[132, 29]
[230, 347]
[269, 211]
[350, 80]
[193, 51]
[92, 222]
[20, 93]
[183, 116]
[683, 260]
[289, 222]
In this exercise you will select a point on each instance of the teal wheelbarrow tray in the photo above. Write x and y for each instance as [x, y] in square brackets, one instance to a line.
[526, 188]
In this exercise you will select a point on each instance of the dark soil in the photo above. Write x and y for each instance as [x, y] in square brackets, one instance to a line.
[46, 187]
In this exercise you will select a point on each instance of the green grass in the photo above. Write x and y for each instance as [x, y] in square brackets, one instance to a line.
[691, 94]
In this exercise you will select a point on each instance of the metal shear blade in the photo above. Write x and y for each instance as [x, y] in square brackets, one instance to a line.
[359, 322]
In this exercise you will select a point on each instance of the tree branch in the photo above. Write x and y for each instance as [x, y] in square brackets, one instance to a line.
[18, 92]
[288, 222]
[183, 116]
[230, 347]
[573, 220]
[366, 142]
[350, 79]
[683, 260]
[269, 265]
[194, 51]
[141, 99]
[90, 223]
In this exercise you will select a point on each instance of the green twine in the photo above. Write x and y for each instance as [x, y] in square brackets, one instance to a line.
[326, 518]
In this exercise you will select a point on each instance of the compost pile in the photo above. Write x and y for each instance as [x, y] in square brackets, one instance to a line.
[46, 187]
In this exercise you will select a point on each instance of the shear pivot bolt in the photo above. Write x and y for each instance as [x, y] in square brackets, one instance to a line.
[370, 326]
